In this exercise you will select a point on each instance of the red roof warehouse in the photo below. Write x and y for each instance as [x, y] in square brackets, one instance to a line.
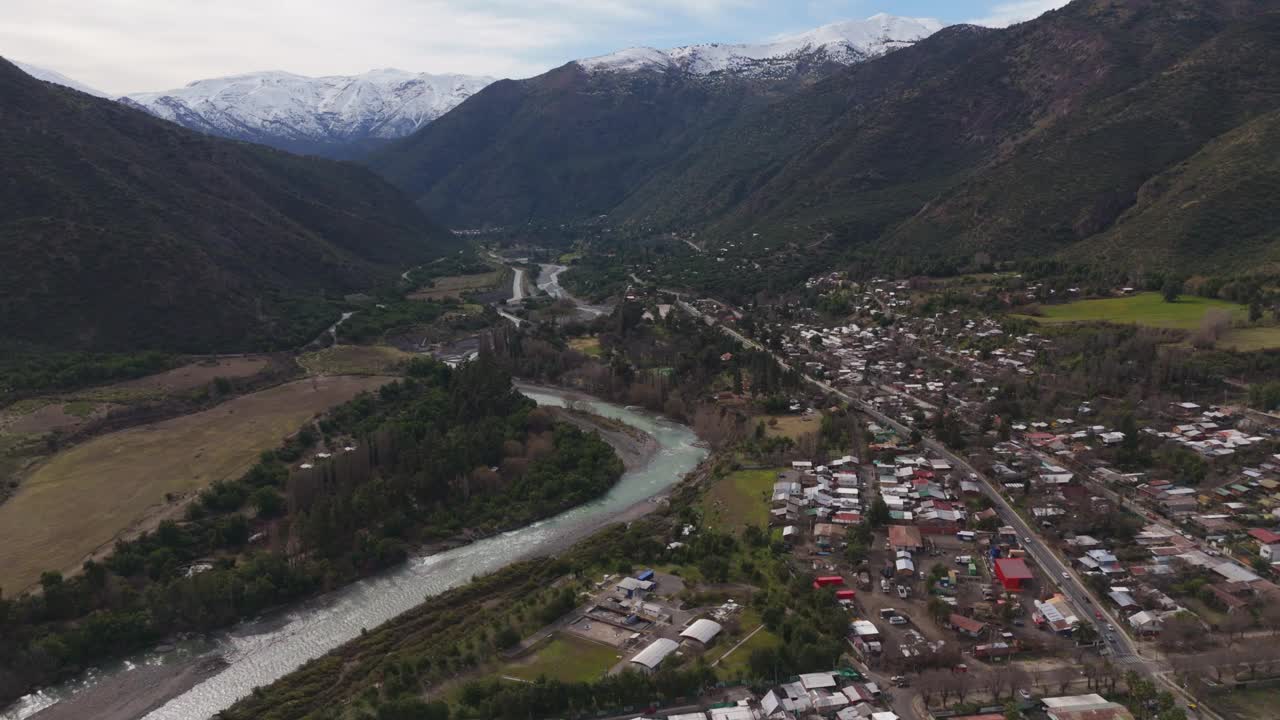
[1012, 573]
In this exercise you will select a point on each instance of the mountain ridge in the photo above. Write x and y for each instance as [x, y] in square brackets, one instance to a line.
[842, 43]
[120, 231]
[339, 116]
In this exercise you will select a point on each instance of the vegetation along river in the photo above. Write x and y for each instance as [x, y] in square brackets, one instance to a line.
[258, 653]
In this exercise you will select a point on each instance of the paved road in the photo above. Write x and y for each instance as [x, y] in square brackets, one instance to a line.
[1124, 653]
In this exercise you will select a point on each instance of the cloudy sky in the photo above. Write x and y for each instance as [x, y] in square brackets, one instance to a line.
[122, 46]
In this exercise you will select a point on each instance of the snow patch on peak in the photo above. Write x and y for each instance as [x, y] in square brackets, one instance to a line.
[276, 105]
[57, 78]
[629, 60]
[842, 42]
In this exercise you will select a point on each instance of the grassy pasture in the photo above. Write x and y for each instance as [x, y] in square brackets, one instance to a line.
[454, 286]
[792, 426]
[1148, 309]
[87, 496]
[566, 658]
[740, 499]
[589, 346]
[355, 360]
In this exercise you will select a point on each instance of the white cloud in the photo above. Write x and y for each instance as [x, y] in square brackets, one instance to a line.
[1009, 13]
[138, 45]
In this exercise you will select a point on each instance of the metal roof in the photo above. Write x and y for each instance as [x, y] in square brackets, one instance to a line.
[655, 653]
[702, 630]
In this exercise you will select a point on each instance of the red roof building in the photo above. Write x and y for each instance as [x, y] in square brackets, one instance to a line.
[1012, 572]
[1266, 537]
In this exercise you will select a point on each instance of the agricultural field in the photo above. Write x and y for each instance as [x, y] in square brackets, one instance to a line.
[454, 286]
[194, 375]
[740, 499]
[790, 426]
[566, 658]
[84, 498]
[1250, 339]
[1148, 309]
[589, 346]
[355, 360]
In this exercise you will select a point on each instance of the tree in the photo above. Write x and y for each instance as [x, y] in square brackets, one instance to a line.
[1171, 289]
[267, 502]
[879, 516]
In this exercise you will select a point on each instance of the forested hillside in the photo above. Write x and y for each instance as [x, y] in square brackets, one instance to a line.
[1016, 142]
[566, 144]
[119, 231]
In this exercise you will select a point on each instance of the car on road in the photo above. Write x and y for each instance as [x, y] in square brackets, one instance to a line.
[1111, 627]
[1097, 614]
[1066, 575]
[1026, 539]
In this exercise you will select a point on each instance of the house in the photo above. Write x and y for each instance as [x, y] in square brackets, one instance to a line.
[1012, 573]
[648, 659]
[702, 631]
[1268, 543]
[635, 587]
[903, 537]
[966, 626]
[904, 566]
[1057, 614]
[827, 535]
[1084, 707]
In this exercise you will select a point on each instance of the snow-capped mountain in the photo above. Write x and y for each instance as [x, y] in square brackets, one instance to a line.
[56, 78]
[334, 116]
[845, 43]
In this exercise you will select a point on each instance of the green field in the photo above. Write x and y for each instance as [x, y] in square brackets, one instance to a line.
[1250, 339]
[1143, 309]
[355, 360]
[740, 499]
[565, 658]
[735, 667]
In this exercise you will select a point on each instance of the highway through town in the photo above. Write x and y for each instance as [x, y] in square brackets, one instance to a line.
[1120, 646]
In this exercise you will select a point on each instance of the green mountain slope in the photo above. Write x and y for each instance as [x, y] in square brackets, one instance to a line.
[1218, 208]
[566, 144]
[120, 231]
[1015, 142]
[1076, 175]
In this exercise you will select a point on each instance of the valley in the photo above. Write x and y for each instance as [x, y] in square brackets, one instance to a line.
[897, 368]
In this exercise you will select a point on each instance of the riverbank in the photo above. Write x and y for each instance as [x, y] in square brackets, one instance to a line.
[260, 654]
[135, 693]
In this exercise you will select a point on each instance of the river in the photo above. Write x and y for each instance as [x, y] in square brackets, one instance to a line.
[549, 282]
[260, 652]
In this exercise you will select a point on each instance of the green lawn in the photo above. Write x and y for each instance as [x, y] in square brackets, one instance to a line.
[1250, 339]
[565, 658]
[1144, 309]
[740, 499]
[735, 667]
